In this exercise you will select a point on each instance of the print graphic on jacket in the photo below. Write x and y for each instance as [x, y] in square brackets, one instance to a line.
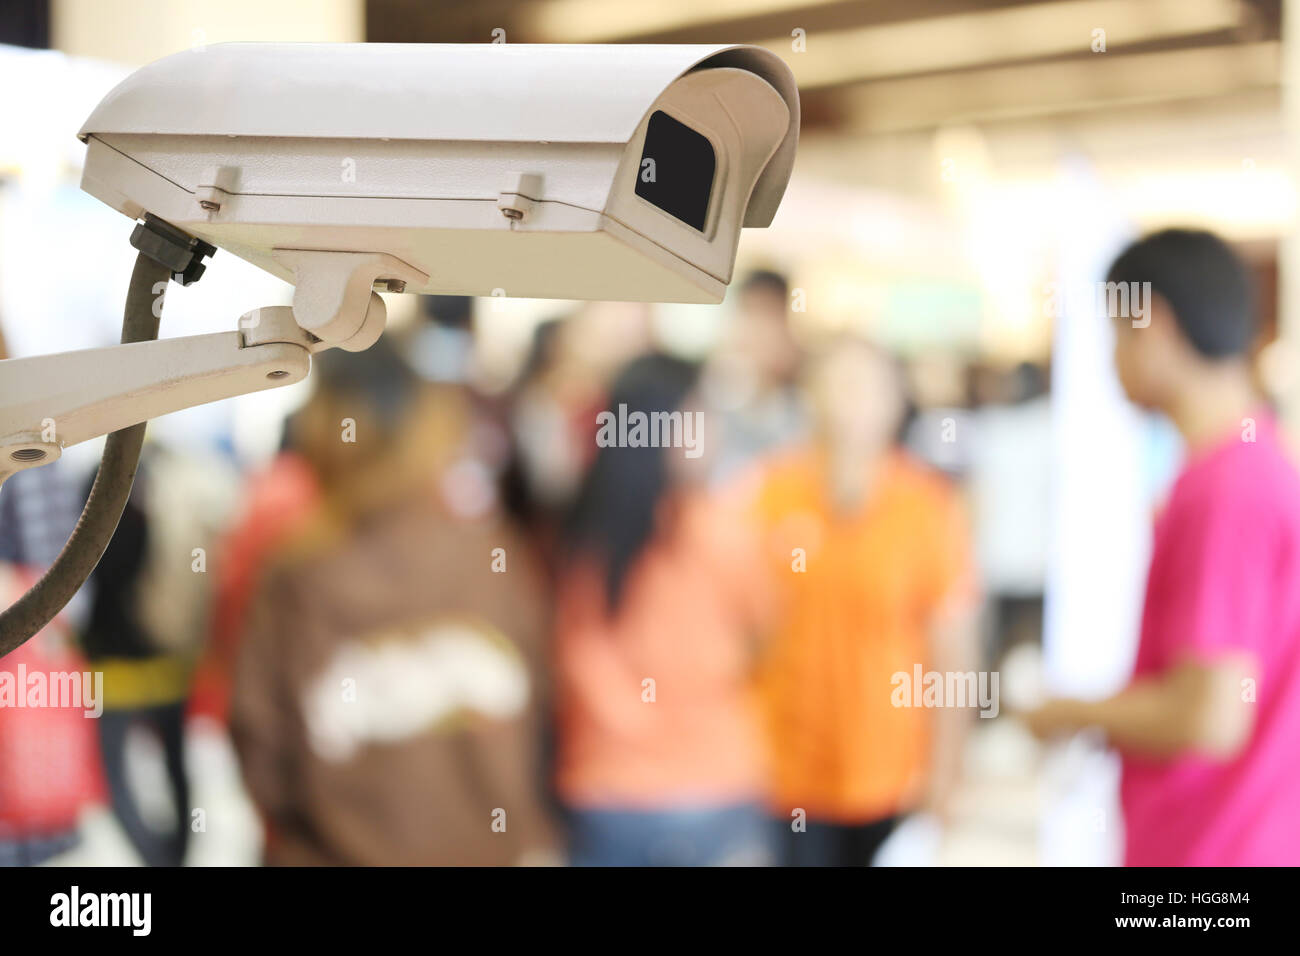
[398, 685]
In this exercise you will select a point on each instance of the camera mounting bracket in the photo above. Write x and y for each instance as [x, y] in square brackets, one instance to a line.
[48, 402]
[334, 295]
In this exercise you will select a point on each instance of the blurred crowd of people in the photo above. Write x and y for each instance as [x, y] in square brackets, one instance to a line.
[453, 626]
[450, 626]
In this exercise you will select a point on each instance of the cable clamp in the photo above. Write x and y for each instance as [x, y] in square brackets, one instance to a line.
[168, 246]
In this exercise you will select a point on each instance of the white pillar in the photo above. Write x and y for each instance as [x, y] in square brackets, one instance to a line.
[1100, 525]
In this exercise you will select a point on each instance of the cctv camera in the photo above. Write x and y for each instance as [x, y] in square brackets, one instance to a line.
[567, 171]
[584, 172]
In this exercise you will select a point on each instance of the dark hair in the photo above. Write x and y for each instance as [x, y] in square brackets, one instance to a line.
[378, 379]
[1206, 285]
[613, 516]
[542, 350]
[766, 280]
[448, 311]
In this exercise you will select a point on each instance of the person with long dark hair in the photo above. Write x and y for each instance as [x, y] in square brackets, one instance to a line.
[659, 750]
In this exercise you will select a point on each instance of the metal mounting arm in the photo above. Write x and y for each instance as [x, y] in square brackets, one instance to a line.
[49, 402]
[52, 401]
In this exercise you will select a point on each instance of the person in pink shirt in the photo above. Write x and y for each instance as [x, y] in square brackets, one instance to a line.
[1209, 726]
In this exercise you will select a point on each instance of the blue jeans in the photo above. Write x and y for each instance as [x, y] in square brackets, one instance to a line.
[737, 835]
[831, 844]
[32, 851]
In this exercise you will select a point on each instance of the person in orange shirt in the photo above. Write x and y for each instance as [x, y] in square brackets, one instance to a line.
[659, 748]
[874, 576]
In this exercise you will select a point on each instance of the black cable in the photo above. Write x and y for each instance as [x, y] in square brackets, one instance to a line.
[108, 494]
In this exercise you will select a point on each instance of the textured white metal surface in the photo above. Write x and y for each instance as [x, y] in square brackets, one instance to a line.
[537, 93]
[48, 402]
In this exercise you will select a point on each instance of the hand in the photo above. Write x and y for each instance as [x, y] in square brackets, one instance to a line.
[1054, 718]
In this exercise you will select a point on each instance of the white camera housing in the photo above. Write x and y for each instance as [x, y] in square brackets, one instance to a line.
[488, 169]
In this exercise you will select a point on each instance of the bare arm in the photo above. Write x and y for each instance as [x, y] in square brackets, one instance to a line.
[1194, 706]
[953, 649]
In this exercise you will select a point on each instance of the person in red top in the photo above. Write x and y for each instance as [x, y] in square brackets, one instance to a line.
[660, 753]
[280, 499]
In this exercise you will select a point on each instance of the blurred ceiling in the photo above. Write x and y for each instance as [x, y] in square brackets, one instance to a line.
[873, 66]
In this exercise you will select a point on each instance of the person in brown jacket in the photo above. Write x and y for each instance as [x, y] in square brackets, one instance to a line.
[388, 692]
